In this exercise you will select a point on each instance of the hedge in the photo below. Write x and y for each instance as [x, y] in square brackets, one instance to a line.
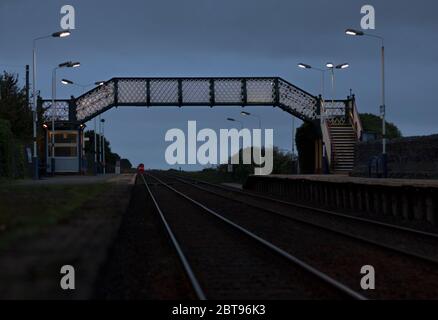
[12, 156]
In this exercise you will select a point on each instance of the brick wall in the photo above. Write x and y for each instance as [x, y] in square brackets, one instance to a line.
[412, 157]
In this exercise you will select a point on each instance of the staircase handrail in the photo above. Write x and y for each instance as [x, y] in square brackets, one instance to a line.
[326, 138]
[355, 119]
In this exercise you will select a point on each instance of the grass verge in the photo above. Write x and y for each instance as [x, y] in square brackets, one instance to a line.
[29, 210]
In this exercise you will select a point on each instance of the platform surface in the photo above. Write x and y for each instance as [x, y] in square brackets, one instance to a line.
[233, 185]
[110, 178]
[355, 180]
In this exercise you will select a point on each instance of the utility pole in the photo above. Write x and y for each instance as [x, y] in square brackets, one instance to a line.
[27, 89]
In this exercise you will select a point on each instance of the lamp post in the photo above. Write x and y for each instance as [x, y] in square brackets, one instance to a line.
[103, 146]
[244, 113]
[67, 64]
[331, 67]
[59, 34]
[82, 150]
[234, 120]
[352, 32]
[322, 71]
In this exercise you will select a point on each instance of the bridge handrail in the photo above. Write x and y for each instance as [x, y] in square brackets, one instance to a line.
[355, 119]
[326, 138]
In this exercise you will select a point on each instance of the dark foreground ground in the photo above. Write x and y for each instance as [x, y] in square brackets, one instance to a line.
[45, 227]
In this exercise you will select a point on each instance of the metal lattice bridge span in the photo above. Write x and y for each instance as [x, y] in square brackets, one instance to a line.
[194, 92]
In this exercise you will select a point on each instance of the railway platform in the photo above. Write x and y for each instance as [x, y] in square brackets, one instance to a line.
[407, 200]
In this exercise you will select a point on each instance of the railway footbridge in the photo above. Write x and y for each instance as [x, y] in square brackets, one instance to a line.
[338, 120]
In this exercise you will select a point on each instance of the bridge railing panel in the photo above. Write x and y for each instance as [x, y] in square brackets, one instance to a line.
[59, 110]
[95, 101]
[260, 91]
[164, 91]
[335, 112]
[131, 91]
[228, 91]
[196, 91]
[298, 101]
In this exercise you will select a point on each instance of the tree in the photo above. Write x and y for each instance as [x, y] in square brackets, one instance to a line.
[110, 157]
[282, 164]
[305, 139]
[14, 107]
[373, 124]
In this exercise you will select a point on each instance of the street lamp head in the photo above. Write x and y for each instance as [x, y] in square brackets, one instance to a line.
[99, 83]
[66, 64]
[61, 34]
[343, 66]
[75, 64]
[304, 66]
[244, 113]
[231, 119]
[330, 65]
[352, 32]
[65, 81]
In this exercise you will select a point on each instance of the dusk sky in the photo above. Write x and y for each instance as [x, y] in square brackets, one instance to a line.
[165, 38]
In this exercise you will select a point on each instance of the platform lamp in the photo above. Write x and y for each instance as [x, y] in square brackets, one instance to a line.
[68, 64]
[331, 67]
[59, 34]
[322, 71]
[353, 32]
[82, 86]
[234, 120]
[248, 114]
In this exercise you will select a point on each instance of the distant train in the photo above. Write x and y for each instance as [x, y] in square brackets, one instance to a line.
[140, 168]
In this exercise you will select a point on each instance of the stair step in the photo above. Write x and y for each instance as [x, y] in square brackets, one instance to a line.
[343, 136]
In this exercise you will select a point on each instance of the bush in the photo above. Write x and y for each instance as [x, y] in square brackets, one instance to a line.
[305, 139]
[5, 149]
[373, 124]
[12, 157]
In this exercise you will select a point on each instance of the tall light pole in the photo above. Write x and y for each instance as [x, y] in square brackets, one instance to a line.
[352, 32]
[322, 71]
[100, 140]
[331, 67]
[238, 121]
[244, 113]
[103, 145]
[59, 34]
[67, 64]
[322, 112]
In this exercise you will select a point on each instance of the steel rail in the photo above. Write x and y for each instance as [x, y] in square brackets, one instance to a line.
[319, 210]
[358, 238]
[319, 274]
[188, 269]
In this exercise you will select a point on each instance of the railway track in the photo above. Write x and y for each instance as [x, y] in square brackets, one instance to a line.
[407, 241]
[224, 260]
[404, 272]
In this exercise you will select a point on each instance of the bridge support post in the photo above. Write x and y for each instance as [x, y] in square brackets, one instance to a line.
[318, 156]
